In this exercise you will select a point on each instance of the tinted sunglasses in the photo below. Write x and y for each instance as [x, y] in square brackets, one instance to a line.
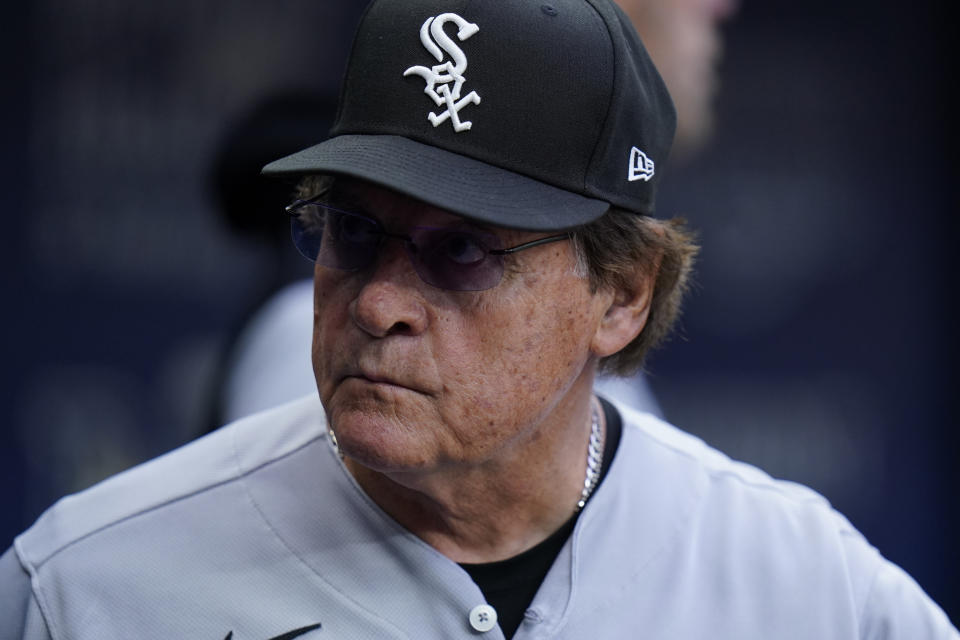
[453, 258]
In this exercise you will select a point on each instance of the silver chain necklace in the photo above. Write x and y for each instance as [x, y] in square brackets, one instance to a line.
[594, 459]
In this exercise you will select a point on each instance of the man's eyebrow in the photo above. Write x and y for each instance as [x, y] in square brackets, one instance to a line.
[354, 201]
[350, 202]
[483, 227]
[342, 197]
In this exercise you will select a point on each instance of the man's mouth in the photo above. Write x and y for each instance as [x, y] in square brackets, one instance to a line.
[379, 379]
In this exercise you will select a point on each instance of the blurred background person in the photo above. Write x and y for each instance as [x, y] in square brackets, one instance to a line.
[686, 43]
[266, 360]
[818, 344]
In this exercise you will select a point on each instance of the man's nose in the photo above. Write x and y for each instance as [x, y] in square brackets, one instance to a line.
[390, 300]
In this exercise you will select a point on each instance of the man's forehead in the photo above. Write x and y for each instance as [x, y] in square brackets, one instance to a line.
[386, 204]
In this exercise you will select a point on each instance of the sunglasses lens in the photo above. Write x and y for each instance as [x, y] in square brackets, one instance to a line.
[335, 239]
[456, 260]
[453, 259]
[306, 232]
[350, 242]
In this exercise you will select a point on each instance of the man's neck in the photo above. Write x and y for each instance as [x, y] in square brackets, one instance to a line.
[503, 506]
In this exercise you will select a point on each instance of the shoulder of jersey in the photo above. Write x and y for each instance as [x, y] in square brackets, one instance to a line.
[216, 459]
[725, 475]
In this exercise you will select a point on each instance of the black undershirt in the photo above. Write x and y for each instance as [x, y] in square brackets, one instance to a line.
[509, 585]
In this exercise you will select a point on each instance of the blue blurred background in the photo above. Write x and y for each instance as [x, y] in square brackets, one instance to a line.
[817, 344]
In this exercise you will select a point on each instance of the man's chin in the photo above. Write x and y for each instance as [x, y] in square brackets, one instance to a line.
[379, 443]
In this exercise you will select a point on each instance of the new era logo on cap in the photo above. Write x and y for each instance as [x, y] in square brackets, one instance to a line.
[641, 167]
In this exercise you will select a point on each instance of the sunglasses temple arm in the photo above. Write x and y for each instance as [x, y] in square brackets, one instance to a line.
[531, 244]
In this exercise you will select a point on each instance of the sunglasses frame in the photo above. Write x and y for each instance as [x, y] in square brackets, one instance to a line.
[293, 210]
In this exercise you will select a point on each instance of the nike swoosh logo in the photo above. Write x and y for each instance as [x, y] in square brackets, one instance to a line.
[289, 635]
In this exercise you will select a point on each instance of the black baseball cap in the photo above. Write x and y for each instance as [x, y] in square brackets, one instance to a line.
[527, 114]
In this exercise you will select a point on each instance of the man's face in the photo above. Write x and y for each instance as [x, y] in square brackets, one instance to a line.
[684, 40]
[413, 377]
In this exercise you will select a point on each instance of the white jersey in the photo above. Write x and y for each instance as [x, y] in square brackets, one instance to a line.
[258, 532]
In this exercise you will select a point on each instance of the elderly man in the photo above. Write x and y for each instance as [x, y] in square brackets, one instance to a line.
[269, 363]
[480, 221]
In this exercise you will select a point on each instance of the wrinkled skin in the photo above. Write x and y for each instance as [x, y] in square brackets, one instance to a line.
[414, 377]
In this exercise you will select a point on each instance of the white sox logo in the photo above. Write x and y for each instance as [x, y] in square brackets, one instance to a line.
[440, 76]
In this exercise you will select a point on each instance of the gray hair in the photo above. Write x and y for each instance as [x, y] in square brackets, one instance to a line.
[621, 245]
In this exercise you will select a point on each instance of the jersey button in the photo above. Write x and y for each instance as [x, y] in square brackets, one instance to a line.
[483, 617]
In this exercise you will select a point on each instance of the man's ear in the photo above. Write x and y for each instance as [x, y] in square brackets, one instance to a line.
[627, 312]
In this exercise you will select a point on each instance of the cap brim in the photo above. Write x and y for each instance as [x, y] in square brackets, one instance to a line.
[447, 180]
